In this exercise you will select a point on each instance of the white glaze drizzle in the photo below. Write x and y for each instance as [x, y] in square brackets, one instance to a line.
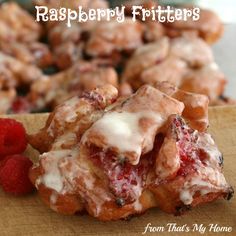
[122, 131]
[209, 177]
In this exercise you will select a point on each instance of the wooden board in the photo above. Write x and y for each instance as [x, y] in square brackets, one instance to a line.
[29, 216]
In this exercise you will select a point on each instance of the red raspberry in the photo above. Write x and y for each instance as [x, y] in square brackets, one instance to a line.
[125, 180]
[12, 137]
[3, 161]
[14, 175]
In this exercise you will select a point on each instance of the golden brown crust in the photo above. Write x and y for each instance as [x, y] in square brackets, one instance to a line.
[34, 53]
[153, 31]
[65, 204]
[209, 27]
[213, 85]
[17, 24]
[196, 105]
[144, 57]
[111, 36]
[15, 73]
[95, 100]
[185, 62]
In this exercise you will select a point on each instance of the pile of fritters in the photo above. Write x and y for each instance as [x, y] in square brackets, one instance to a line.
[42, 65]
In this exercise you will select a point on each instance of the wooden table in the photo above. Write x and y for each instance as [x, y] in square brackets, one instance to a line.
[29, 216]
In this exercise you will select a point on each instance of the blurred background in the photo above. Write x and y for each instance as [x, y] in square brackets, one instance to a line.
[224, 49]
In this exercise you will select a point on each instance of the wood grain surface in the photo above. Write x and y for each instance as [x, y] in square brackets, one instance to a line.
[29, 216]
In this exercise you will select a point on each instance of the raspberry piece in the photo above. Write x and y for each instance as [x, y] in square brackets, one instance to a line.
[125, 180]
[14, 175]
[187, 146]
[20, 105]
[12, 137]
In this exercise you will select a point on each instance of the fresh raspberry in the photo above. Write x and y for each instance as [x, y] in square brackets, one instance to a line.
[12, 137]
[3, 161]
[20, 105]
[14, 175]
